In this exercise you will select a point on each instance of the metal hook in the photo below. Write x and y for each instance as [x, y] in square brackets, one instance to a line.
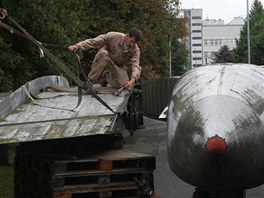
[3, 13]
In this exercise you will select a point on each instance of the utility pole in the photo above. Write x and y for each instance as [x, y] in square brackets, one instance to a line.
[248, 34]
[170, 56]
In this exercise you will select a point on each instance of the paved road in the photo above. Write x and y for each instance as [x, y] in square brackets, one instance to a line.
[152, 140]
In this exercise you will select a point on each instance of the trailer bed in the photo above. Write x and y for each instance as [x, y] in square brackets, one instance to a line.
[52, 114]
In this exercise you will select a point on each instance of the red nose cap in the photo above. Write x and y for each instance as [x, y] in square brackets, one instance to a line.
[216, 145]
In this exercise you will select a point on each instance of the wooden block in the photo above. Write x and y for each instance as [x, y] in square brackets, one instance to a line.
[105, 165]
[62, 195]
[105, 194]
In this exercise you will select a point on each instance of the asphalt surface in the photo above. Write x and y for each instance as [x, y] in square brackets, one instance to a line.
[152, 140]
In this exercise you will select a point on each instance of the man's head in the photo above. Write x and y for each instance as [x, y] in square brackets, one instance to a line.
[132, 37]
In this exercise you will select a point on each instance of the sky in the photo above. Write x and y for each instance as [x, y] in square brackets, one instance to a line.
[220, 9]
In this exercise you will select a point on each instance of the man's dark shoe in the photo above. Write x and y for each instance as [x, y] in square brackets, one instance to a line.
[103, 81]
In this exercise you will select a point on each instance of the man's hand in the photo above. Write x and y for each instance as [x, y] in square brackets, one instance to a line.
[73, 48]
[129, 84]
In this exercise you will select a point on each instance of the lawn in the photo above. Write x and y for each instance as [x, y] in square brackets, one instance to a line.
[7, 176]
[6, 182]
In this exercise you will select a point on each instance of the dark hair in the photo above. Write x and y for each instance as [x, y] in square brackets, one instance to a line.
[136, 33]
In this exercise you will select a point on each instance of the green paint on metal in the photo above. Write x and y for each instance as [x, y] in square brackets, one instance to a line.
[6, 141]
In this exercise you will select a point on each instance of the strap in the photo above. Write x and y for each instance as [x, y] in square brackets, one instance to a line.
[79, 66]
[17, 32]
[13, 30]
[85, 86]
[36, 103]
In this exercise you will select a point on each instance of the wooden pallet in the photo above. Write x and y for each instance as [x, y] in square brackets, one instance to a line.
[89, 163]
[99, 161]
[101, 174]
[113, 190]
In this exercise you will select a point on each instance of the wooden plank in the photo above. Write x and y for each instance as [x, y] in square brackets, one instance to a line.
[127, 190]
[96, 162]
[95, 179]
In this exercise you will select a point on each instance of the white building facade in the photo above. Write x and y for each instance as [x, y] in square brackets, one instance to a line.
[195, 38]
[217, 34]
[206, 37]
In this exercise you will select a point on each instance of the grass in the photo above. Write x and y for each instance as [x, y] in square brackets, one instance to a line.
[7, 176]
[6, 181]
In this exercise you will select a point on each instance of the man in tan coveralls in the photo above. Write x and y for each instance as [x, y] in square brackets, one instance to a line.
[116, 52]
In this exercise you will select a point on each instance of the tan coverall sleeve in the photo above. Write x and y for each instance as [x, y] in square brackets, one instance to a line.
[134, 61]
[92, 43]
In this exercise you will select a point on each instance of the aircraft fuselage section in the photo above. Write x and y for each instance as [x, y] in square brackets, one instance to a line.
[223, 101]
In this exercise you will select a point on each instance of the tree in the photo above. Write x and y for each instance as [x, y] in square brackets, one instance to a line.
[9, 63]
[65, 22]
[224, 55]
[256, 22]
[179, 57]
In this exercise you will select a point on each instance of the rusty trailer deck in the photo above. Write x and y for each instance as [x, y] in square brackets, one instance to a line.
[52, 114]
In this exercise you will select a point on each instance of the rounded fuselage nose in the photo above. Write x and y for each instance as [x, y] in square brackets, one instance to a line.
[216, 142]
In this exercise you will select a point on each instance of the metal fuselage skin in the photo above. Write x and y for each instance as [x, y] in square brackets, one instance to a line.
[223, 100]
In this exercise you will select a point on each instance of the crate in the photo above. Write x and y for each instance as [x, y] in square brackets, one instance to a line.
[99, 174]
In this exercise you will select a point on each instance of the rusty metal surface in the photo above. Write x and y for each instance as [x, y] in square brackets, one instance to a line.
[22, 120]
[220, 100]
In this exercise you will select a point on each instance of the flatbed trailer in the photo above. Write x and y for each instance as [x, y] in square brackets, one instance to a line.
[52, 115]
[52, 137]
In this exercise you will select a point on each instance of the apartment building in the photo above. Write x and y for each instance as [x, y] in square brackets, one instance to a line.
[207, 36]
[216, 34]
[195, 38]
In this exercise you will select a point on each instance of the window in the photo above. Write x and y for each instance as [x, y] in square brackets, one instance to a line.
[220, 41]
[232, 42]
[196, 24]
[209, 54]
[216, 41]
[196, 17]
[196, 38]
[197, 31]
[196, 45]
[197, 52]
